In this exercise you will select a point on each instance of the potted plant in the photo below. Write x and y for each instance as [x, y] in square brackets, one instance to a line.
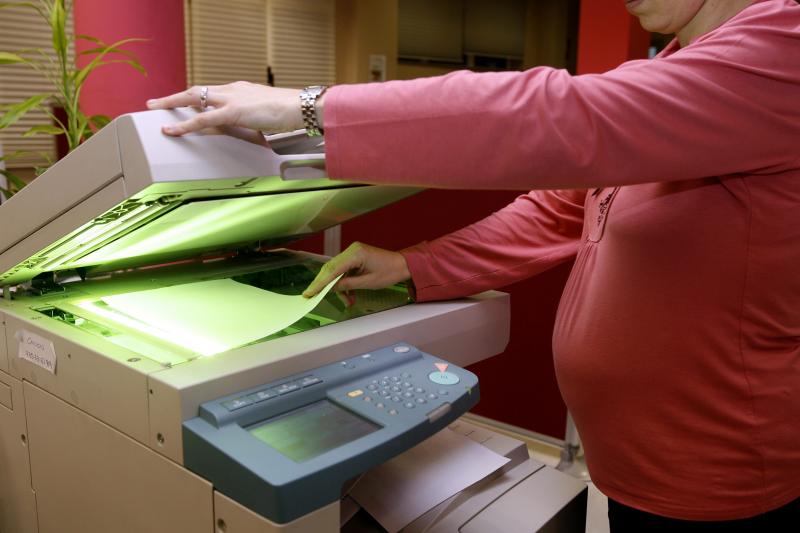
[66, 78]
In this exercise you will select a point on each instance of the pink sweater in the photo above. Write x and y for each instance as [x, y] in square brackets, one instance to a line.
[677, 342]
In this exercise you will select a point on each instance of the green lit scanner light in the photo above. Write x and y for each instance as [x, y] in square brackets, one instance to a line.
[207, 317]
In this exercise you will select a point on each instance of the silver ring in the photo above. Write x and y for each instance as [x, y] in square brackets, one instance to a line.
[203, 97]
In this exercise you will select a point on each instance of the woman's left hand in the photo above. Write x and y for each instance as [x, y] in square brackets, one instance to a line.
[239, 104]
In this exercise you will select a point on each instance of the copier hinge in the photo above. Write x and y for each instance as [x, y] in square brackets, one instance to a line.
[45, 283]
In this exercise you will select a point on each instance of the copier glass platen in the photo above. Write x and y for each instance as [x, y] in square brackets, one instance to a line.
[93, 397]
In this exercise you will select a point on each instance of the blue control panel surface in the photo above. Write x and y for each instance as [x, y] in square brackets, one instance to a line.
[286, 448]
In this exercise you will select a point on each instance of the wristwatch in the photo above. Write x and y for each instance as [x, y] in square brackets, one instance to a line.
[308, 100]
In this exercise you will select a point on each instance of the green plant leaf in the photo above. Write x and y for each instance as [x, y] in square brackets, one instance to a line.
[83, 125]
[12, 155]
[85, 37]
[104, 48]
[130, 62]
[99, 121]
[15, 181]
[58, 26]
[80, 76]
[49, 130]
[19, 4]
[17, 111]
[7, 58]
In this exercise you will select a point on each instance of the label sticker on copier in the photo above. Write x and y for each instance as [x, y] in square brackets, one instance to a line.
[37, 350]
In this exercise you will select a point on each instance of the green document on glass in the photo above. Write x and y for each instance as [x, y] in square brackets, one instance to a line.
[210, 317]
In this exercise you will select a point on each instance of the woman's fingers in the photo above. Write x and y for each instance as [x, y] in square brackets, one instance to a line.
[341, 264]
[189, 97]
[213, 117]
[245, 104]
[364, 266]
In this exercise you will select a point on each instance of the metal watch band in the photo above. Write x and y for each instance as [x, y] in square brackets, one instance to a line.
[308, 100]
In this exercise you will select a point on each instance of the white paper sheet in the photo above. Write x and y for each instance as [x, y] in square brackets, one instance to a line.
[210, 317]
[401, 490]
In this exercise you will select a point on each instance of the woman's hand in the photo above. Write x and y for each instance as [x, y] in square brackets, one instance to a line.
[366, 267]
[242, 104]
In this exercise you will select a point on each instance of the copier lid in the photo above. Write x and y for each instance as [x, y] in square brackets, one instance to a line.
[131, 196]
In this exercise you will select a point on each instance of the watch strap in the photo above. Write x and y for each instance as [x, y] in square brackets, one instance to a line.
[308, 100]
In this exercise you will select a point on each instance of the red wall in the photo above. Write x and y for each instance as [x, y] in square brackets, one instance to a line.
[608, 36]
[116, 89]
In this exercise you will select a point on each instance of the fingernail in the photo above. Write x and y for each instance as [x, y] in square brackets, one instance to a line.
[150, 103]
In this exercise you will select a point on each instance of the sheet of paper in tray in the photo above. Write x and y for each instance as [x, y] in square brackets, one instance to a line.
[214, 316]
[423, 477]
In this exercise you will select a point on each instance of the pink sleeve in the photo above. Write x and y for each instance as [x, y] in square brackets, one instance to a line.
[537, 231]
[723, 105]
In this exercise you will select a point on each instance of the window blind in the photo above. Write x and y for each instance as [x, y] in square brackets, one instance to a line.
[226, 41]
[23, 29]
[302, 46]
[237, 39]
[431, 30]
[495, 28]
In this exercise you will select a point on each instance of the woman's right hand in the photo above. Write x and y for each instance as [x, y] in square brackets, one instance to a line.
[364, 266]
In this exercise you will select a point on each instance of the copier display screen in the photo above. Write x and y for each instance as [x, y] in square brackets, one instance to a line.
[312, 430]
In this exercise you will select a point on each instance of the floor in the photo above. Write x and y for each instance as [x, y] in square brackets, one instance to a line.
[549, 454]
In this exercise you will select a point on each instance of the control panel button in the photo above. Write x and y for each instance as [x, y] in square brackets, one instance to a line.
[409, 405]
[392, 412]
[442, 392]
[367, 399]
[422, 400]
[309, 380]
[355, 393]
[419, 390]
[380, 405]
[396, 399]
[237, 403]
[286, 388]
[444, 378]
[372, 386]
[262, 395]
[401, 349]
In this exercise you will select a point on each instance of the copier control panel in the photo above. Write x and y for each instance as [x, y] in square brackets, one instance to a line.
[285, 448]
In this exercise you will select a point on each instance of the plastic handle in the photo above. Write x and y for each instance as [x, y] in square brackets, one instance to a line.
[303, 167]
[301, 157]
